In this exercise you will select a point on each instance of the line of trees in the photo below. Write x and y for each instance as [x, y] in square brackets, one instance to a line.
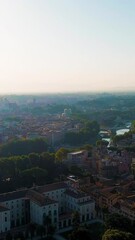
[118, 228]
[24, 170]
[87, 134]
[23, 147]
[35, 168]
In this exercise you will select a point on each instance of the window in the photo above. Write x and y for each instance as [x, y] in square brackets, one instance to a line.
[49, 212]
[12, 224]
[83, 218]
[23, 221]
[55, 212]
[60, 225]
[17, 222]
[69, 222]
[55, 220]
[5, 219]
[64, 223]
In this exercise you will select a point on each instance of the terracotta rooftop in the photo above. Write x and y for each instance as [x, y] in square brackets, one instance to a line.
[12, 195]
[39, 198]
[86, 202]
[51, 187]
[74, 194]
[3, 209]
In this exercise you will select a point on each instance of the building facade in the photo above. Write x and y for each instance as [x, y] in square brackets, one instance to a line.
[57, 201]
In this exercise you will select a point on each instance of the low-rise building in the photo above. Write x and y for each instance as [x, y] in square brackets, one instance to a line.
[77, 158]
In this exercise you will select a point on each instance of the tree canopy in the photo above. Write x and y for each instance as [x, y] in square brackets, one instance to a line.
[114, 234]
[116, 221]
[89, 133]
[23, 147]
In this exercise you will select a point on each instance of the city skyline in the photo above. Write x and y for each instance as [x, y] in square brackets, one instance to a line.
[67, 46]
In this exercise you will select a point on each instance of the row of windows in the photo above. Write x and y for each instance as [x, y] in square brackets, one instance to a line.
[15, 201]
[5, 230]
[13, 204]
[57, 191]
[54, 212]
[50, 206]
[17, 215]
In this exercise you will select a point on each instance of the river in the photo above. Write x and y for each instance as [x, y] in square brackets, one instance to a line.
[122, 131]
[118, 132]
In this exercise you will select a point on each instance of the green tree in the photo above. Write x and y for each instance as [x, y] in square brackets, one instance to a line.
[31, 228]
[116, 221]
[34, 175]
[76, 219]
[114, 234]
[47, 222]
[101, 143]
[40, 230]
[23, 147]
[9, 236]
[80, 234]
[61, 154]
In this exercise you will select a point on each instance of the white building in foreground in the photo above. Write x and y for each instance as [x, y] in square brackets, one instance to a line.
[4, 219]
[57, 201]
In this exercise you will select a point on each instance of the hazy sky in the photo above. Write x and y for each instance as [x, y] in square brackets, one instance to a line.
[67, 45]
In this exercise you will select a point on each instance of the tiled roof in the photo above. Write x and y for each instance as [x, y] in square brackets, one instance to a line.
[51, 187]
[76, 194]
[3, 209]
[86, 202]
[39, 198]
[117, 205]
[12, 195]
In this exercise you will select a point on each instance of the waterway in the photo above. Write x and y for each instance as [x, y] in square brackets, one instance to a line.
[122, 131]
[118, 132]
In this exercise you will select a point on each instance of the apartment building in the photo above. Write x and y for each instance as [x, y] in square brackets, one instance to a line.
[57, 201]
[41, 206]
[18, 206]
[77, 158]
[4, 219]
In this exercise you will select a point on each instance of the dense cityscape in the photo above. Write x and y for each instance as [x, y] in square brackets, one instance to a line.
[67, 160]
[67, 120]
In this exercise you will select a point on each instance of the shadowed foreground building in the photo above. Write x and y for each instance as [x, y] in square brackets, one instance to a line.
[57, 201]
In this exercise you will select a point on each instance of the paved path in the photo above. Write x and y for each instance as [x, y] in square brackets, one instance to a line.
[58, 237]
